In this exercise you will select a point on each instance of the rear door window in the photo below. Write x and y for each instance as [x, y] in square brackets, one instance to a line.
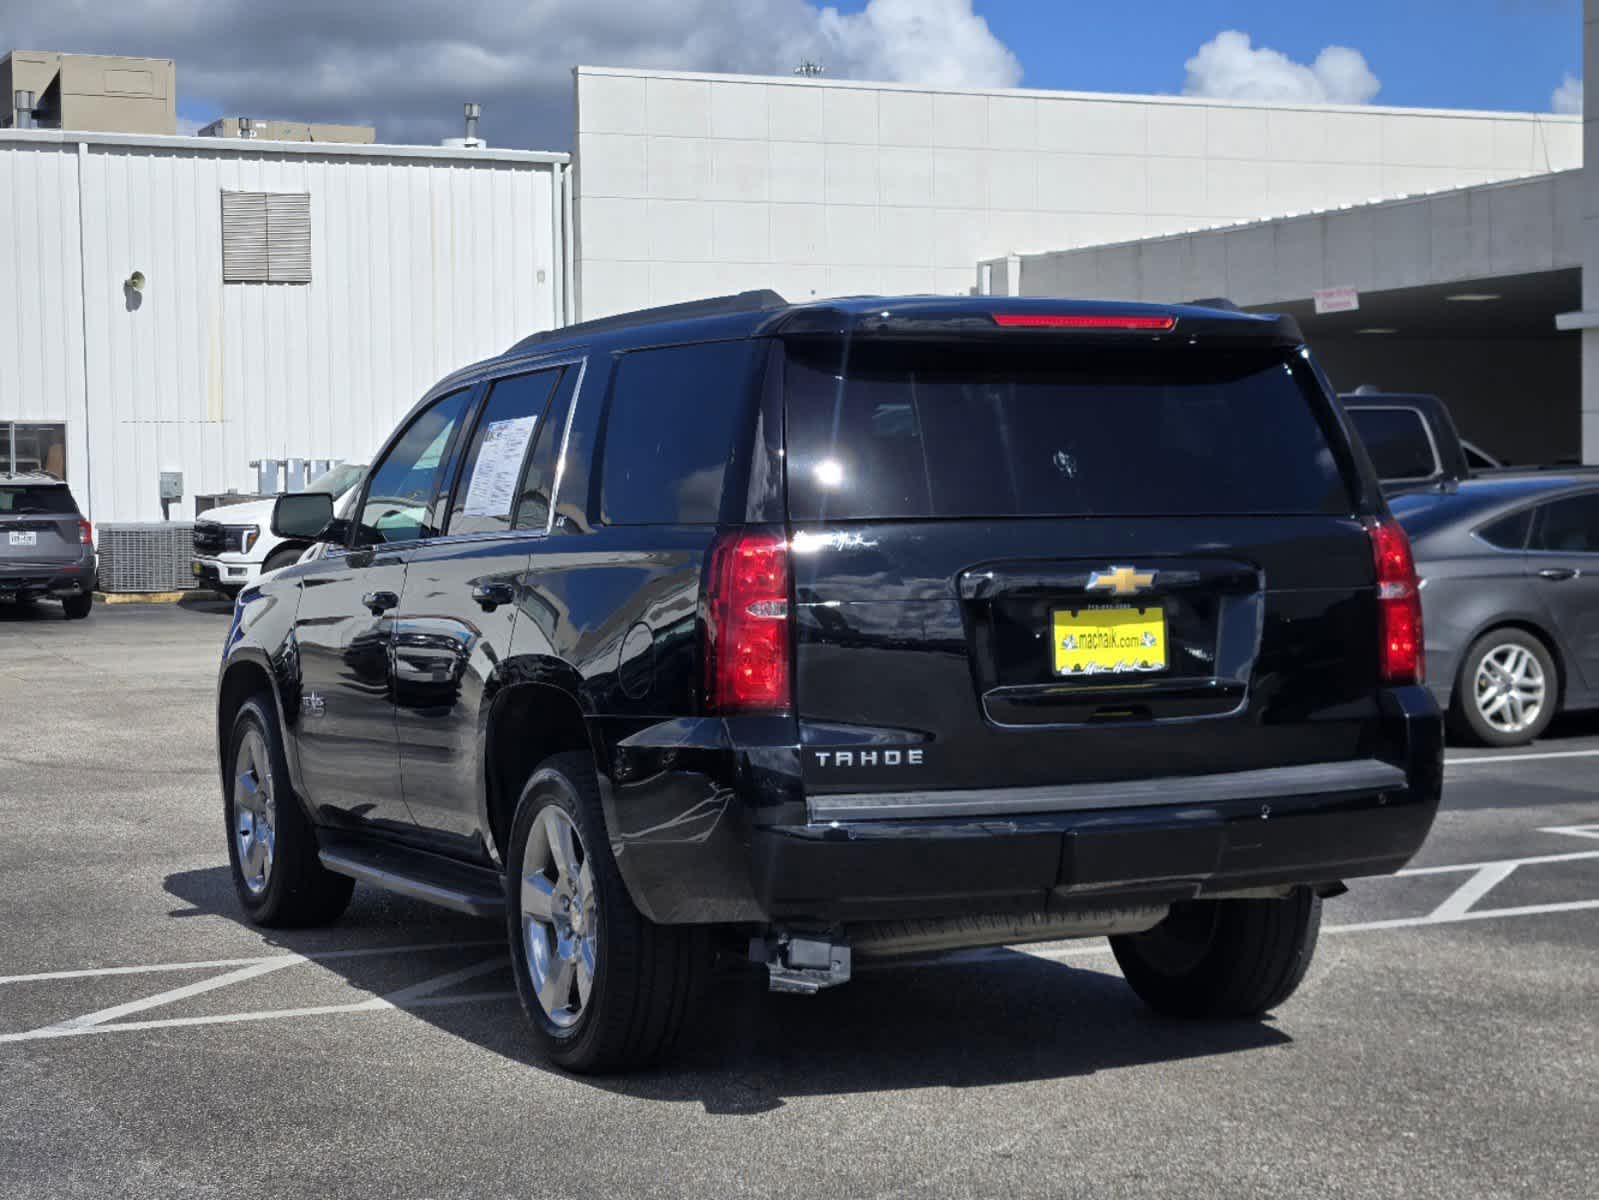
[50, 501]
[1397, 441]
[491, 477]
[679, 417]
[1569, 525]
[885, 430]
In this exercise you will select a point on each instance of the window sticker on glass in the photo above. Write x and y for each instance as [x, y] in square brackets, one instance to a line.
[499, 464]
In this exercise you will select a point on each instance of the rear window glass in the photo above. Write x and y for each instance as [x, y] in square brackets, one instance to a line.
[1397, 441]
[910, 431]
[48, 500]
[678, 417]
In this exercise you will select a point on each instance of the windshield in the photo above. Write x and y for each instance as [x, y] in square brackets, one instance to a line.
[337, 481]
[52, 501]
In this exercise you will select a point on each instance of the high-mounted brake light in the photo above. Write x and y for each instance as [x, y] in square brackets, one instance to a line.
[745, 610]
[85, 532]
[1400, 654]
[1084, 321]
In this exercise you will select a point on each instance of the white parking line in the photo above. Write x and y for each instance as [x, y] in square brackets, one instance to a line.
[213, 964]
[1482, 759]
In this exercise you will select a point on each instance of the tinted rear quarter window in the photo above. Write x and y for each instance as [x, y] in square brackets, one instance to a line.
[1508, 533]
[48, 500]
[1397, 441]
[1569, 525]
[678, 418]
[881, 430]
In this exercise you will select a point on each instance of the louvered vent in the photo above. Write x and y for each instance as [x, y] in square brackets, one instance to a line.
[266, 237]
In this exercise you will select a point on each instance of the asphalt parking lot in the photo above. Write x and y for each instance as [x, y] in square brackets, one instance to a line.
[151, 1044]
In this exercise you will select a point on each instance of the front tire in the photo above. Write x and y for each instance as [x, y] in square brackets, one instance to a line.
[1507, 690]
[603, 987]
[1223, 958]
[77, 607]
[284, 556]
[272, 846]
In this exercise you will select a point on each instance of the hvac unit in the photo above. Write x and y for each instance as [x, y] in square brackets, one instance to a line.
[146, 557]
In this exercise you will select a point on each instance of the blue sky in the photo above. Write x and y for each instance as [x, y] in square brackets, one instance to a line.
[1496, 54]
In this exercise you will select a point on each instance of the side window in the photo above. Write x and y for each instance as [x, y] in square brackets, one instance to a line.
[538, 484]
[1508, 533]
[492, 470]
[401, 487]
[678, 417]
[1397, 441]
[1569, 526]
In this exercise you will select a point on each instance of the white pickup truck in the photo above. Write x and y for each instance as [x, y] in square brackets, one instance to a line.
[234, 545]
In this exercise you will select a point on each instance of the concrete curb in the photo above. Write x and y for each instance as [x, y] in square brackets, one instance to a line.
[154, 597]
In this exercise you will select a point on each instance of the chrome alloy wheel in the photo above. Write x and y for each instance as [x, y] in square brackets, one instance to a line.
[1510, 688]
[560, 916]
[255, 812]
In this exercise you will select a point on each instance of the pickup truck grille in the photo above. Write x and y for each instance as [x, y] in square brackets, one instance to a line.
[212, 538]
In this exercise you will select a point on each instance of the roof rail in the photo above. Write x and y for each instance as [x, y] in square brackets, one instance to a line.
[741, 302]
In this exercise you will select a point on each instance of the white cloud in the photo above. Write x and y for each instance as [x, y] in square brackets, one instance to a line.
[406, 65]
[1228, 67]
[1567, 97]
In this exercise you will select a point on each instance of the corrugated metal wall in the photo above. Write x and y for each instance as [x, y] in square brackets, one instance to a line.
[419, 265]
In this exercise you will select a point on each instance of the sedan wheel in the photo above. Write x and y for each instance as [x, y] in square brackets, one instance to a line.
[560, 916]
[1511, 688]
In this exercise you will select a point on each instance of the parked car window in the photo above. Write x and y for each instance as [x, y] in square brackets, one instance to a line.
[1508, 533]
[50, 500]
[1396, 439]
[533, 504]
[1569, 525]
[675, 417]
[399, 497]
[491, 475]
[920, 431]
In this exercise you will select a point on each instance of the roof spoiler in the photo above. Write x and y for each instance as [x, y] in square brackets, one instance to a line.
[758, 300]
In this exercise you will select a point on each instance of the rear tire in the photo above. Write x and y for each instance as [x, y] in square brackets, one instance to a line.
[641, 978]
[1504, 661]
[77, 607]
[1223, 958]
[272, 847]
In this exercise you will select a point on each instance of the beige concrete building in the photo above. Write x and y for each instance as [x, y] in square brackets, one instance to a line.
[90, 92]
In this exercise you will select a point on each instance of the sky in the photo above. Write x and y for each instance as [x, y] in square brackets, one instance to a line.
[406, 65]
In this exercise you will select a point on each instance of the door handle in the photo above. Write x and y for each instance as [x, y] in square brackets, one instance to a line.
[380, 602]
[491, 595]
[1559, 573]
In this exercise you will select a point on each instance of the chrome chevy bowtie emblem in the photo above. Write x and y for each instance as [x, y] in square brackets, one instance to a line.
[1121, 581]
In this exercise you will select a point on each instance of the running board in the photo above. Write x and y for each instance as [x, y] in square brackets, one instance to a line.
[476, 891]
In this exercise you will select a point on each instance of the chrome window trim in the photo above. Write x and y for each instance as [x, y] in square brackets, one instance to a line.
[566, 437]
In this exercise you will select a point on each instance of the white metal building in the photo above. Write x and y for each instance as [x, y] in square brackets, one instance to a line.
[357, 276]
[693, 184]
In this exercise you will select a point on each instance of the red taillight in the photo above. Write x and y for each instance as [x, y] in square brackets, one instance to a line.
[85, 532]
[1400, 655]
[746, 624]
[1083, 321]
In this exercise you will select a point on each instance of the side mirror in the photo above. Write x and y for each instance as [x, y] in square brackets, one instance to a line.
[302, 515]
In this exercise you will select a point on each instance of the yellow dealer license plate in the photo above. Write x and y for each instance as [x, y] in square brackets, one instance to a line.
[1109, 641]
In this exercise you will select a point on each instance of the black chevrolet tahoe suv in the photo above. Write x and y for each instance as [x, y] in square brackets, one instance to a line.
[818, 633]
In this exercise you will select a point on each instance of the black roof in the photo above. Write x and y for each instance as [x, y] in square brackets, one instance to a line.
[765, 313]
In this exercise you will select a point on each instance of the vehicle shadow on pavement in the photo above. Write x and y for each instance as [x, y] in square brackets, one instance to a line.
[945, 1023]
[23, 611]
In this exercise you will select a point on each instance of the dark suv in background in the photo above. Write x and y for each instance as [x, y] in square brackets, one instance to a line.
[814, 633]
[46, 544]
